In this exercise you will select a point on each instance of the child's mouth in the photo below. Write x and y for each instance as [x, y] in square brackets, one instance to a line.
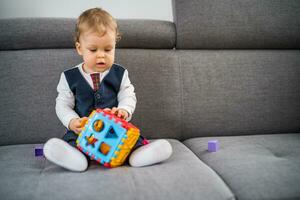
[100, 64]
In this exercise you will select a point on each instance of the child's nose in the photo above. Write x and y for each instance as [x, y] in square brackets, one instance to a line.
[100, 54]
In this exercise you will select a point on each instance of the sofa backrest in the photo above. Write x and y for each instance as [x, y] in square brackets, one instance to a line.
[235, 70]
[237, 24]
[34, 52]
[240, 65]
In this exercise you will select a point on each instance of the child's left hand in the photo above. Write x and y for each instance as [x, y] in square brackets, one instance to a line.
[119, 112]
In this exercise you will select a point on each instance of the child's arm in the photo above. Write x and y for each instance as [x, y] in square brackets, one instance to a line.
[126, 97]
[65, 102]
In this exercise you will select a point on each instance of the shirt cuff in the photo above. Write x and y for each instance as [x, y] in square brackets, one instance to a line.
[66, 120]
[129, 110]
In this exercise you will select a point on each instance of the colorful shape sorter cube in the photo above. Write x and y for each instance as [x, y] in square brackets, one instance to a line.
[107, 138]
[213, 146]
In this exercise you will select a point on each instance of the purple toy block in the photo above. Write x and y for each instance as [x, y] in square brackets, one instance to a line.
[213, 146]
[38, 151]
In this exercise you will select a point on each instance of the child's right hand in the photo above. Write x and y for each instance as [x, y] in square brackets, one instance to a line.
[76, 124]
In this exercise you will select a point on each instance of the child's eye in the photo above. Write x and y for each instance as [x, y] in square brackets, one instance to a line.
[107, 50]
[93, 50]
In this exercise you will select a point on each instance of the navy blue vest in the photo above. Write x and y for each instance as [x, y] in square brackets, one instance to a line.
[86, 100]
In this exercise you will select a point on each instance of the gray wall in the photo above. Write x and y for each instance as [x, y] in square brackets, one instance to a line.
[122, 9]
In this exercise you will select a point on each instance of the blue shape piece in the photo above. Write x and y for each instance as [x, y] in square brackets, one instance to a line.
[213, 146]
[38, 151]
[111, 133]
[113, 139]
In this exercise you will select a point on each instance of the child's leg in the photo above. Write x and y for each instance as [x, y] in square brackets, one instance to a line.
[152, 153]
[63, 154]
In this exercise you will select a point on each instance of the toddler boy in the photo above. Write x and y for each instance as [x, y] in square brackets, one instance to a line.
[96, 83]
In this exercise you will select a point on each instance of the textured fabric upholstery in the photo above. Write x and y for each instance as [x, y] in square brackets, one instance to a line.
[255, 167]
[233, 83]
[237, 92]
[147, 34]
[47, 33]
[237, 24]
[183, 176]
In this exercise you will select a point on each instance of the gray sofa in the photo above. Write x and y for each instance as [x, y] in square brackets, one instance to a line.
[225, 70]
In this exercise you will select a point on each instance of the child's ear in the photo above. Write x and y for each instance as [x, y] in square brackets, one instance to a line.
[78, 48]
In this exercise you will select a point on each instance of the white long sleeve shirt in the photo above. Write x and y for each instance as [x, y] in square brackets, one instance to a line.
[65, 101]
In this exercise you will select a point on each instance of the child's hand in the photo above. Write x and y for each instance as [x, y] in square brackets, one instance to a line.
[76, 124]
[119, 112]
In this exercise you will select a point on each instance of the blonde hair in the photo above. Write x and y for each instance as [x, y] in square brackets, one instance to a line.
[98, 20]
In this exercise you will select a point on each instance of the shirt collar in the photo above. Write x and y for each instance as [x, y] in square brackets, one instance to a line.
[102, 74]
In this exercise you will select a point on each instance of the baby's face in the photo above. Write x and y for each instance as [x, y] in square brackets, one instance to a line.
[97, 51]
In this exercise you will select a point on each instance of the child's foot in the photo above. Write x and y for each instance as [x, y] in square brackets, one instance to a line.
[152, 153]
[61, 153]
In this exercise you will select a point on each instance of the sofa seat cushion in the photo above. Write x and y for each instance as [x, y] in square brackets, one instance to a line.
[183, 176]
[255, 166]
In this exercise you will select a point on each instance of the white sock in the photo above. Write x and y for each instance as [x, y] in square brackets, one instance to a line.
[63, 154]
[154, 152]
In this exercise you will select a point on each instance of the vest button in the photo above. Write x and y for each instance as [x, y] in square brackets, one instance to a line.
[98, 96]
